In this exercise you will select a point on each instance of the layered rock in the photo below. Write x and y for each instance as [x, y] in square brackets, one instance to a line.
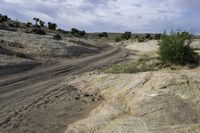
[151, 102]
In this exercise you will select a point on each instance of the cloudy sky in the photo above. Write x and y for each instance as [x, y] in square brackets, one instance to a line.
[109, 15]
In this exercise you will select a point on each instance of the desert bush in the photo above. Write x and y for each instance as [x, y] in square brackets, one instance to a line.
[52, 26]
[126, 35]
[42, 23]
[148, 37]
[82, 33]
[136, 37]
[17, 24]
[103, 34]
[29, 24]
[175, 48]
[62, 31]
[38, 31]
[141, 39]
[118, 39]
[74, 31]
[77, 33]
[157, 36]
[57, 37]
[3, 18]
[142, 65]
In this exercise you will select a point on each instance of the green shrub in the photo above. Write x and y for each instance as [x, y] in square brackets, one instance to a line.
[82, 33]
[157, 36]
[77, 33]
[17, 24]
[136, 37]
[148, 37]
[118, 39]
[57, 37]
[175, 49]
[62, 31]
[3, 18]
[126, 35]
[141, 39]
[103, 34]
[38, 31]
[132, 67]
[52, 26]
[29, 24]
[42, 23]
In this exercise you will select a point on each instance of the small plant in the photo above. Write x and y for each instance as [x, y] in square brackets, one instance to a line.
[29, 24]
[126, 35]
[57, 37]
[3, 18]
[141, 39]
[142, 65]
[175, 49]
[103, 34]
[77, 33]
[17, 24]
[82, 33]
[157, 36]
[118, 39]
[62, 31]
[52, 26]
[148, 37]
[38, 31]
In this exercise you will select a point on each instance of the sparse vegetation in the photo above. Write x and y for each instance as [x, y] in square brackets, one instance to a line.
[42, 23]
[29, 24]
[126, 35]
[82, 43]
[148, 37]
[103, 34]
[142, 65]
[3, 18]
[17, 24]
[175, 49]
[52, 26]
[141, 39]
[57, 37]
[62, 31]
[157, 36]
[77, 33]
[118, 39]
[38, 31]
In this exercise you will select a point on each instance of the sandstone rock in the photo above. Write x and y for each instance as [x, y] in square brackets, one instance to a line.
[151, 102]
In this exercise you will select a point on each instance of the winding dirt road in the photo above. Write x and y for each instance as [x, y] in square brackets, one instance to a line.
[39, 101]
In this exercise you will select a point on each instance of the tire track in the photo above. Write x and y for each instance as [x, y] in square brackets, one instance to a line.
[28, 91]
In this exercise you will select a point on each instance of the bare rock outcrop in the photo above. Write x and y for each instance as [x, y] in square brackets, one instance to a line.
[150, 102]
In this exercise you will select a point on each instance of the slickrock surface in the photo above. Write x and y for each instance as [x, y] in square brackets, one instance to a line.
[151, 102]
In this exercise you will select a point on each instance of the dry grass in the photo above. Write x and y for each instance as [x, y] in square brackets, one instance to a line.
[144, 64]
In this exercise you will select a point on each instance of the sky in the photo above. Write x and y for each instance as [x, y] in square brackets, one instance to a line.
[138, 16]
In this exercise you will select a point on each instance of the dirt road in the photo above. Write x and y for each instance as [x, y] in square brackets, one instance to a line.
[38, 101]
